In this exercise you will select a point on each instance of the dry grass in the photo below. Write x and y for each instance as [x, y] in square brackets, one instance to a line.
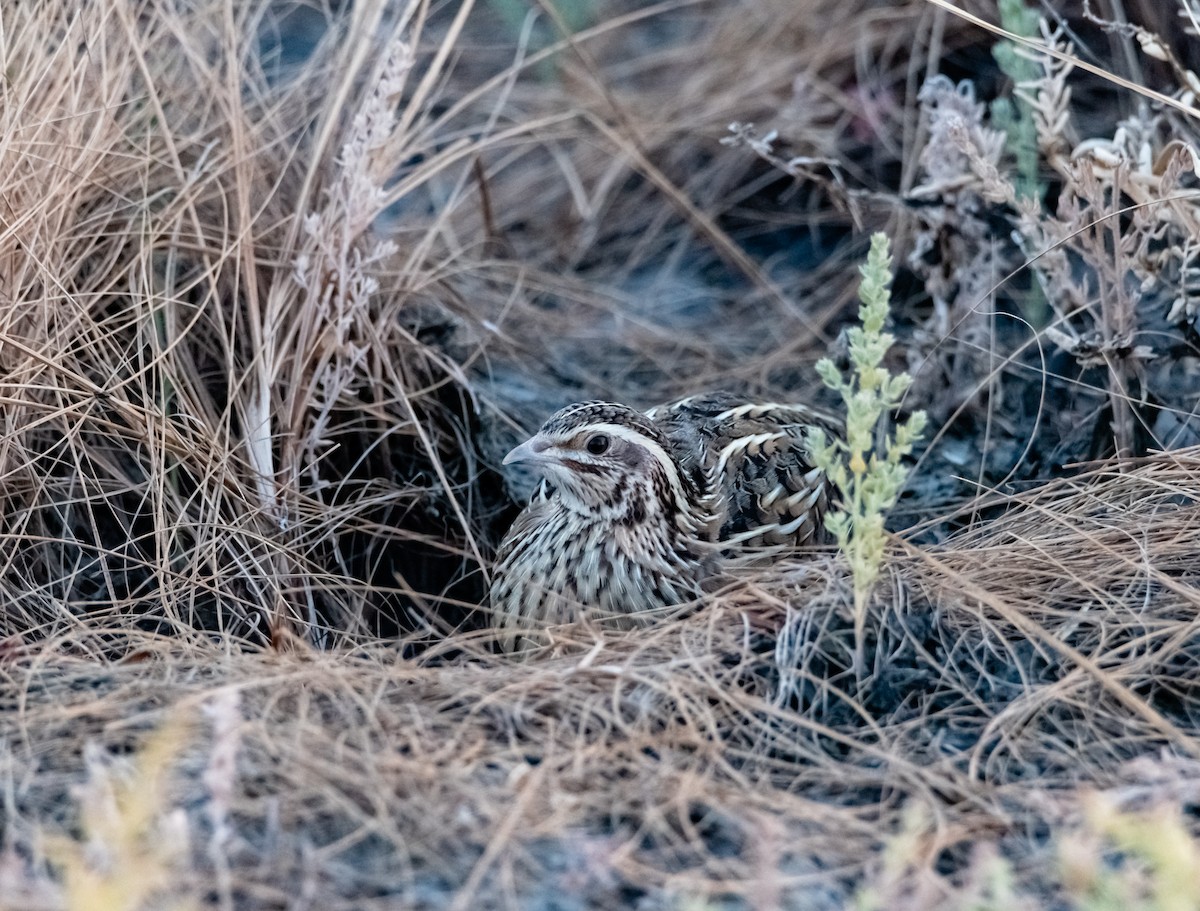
[676, 764]
[269, 323]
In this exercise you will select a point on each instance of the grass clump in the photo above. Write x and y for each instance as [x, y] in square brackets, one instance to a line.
[870, 478]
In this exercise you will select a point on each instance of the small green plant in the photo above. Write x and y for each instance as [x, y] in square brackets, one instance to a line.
[901, 878]
[869, 481]
[132, 844]
[1015, 116]
[1147, 860]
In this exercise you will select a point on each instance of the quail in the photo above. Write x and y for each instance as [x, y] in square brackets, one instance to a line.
[637, 510]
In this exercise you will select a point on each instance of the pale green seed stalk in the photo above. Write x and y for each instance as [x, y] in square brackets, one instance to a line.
[870, 482]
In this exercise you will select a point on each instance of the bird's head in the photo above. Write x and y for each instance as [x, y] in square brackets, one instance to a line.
[606, 460]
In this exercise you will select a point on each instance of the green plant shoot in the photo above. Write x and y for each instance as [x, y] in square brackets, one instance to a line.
[870, 482]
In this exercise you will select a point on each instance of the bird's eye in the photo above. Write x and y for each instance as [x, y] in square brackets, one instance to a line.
[598, 444]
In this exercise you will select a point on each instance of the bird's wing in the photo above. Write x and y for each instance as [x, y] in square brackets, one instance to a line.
[753, 460]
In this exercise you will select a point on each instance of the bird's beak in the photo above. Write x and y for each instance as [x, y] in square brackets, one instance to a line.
[532, 450]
